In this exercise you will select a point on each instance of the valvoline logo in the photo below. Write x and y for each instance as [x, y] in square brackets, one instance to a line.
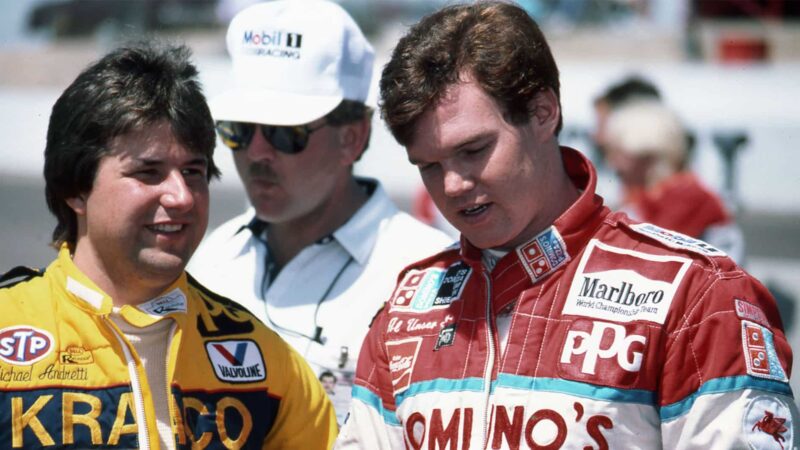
[23, 345]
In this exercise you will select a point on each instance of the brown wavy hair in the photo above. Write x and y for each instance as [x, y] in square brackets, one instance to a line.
[495, 43]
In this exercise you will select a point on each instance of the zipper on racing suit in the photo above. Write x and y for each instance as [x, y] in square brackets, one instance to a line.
[487, 376]
[136, 387]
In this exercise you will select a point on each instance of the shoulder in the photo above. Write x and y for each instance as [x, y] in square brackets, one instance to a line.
[220, 318]
[697, 279]
[19, 274]
[629, 232]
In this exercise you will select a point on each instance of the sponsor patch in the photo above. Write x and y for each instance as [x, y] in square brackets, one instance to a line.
[424, 290]
[748, 311]
[402, 357]
[677, 240]
[603, 352]
[759, 352]
[236, 361]
[767, 424]
[174, 301]
[447, 336]
[544, 254]
[23, 345]
[624, 285]
[75, 355]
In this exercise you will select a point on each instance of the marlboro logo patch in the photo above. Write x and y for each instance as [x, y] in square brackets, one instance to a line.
[624, 285]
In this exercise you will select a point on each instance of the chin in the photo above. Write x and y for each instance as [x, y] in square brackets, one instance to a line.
[166, 263]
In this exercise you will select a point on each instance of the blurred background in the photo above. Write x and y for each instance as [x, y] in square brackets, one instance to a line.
[730, 68]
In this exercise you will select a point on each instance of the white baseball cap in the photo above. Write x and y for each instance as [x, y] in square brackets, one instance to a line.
[293, 62]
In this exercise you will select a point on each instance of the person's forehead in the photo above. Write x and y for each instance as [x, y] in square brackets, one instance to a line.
[459, 116]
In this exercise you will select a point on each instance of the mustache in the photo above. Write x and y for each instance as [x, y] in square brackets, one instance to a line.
[262, 171]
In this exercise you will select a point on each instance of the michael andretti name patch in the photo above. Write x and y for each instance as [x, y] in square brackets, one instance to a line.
[624, 285]
[759, 352]
[236, 361]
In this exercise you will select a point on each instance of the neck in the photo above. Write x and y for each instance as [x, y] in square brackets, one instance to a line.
[124, 287]
[287, 239]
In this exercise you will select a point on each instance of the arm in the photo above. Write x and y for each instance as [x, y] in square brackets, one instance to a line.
[372, 422]
[306, 419]
[725, 376]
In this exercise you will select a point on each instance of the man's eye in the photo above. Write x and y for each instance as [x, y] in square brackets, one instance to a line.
[474, 151]
[194, 172]
[146, 173]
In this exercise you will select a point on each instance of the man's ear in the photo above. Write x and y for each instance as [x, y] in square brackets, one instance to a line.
[545, 112]
[353, 139]
[78, 204]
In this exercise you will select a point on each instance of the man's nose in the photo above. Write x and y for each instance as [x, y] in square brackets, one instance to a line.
[260, 149]
[456, 182]
[176, 192]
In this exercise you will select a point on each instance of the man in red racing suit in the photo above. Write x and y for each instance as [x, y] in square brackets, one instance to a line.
[619, 335]
[555, 324]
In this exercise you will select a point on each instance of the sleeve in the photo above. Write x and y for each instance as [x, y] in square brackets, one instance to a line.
[306, 419]
[372, 422]
[725, 378]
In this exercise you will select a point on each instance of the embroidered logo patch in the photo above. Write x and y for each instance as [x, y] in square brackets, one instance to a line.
[603, 352]
[544, 254]
[759, 352]
[236, 361]
[402, 357]
[748, 311]
[447, 336]
[677, 240]
[174, 301]
[75, 355]
[424, 290]
[767, 423]
[23, 345]
[624, 285]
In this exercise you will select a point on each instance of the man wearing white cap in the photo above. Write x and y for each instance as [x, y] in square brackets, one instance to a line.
[319, 250]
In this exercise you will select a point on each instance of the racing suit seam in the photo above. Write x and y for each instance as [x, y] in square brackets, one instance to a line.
[469, 350]
[513, 321]
[528, 330]
[700, 299]
[544, 333]
[499, 274]
[696, 363]
[500, 294]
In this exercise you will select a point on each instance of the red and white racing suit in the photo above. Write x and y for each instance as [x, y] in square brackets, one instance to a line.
[621, 335]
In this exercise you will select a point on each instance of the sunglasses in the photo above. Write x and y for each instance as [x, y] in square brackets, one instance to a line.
[286, 139]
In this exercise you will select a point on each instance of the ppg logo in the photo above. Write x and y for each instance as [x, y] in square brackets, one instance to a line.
[604, 341]
[24, 345]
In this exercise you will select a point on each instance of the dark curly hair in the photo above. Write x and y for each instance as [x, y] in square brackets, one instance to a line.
[495, 43]
[127, 90]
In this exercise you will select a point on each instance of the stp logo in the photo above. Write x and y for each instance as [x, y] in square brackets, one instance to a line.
[24, 345]
[618, 351]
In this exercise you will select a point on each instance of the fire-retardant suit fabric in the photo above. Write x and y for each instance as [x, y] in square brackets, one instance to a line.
[70, 379]
[622, 335]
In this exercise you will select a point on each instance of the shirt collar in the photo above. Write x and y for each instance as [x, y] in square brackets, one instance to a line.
[358, 235]
[88, 296]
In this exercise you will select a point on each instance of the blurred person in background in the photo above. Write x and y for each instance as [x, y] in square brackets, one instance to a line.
[318, 252]
[555, 323]
[631, 88]
[114, 345]
[646, 145]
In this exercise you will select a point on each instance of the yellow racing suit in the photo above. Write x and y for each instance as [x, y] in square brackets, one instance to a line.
[70, 379]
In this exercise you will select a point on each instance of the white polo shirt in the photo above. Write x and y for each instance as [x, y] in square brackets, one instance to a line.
[335, 286]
